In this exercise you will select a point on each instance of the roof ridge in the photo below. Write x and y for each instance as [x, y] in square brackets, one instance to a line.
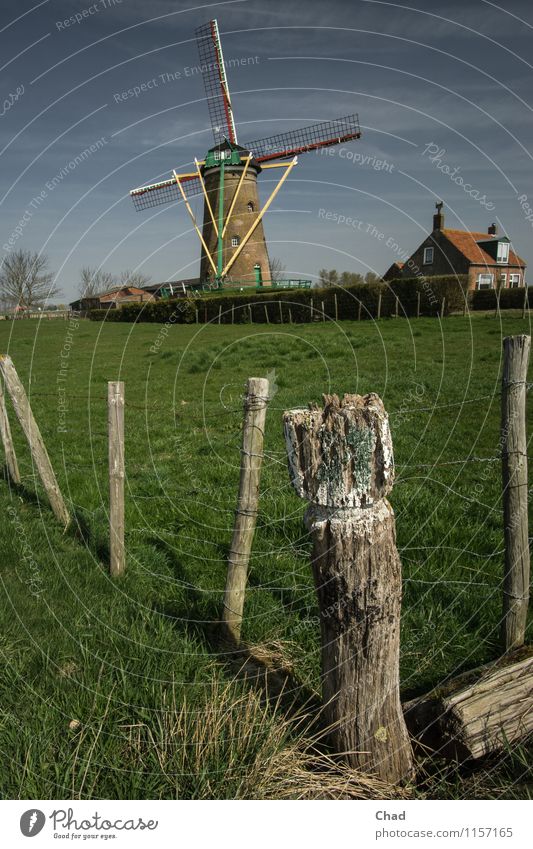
[469, 232]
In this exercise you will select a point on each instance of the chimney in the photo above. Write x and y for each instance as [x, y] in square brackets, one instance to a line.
[438, 218]
[492, 229]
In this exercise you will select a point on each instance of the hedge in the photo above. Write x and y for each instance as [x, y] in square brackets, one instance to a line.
[487, 299]
[301, 305]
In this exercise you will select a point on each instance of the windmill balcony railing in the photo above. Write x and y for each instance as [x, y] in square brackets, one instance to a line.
[247, 286]
[290, 284]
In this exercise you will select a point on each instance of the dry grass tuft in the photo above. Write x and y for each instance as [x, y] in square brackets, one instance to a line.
[237, 746]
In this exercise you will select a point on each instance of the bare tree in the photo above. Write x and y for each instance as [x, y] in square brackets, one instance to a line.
[345, 278]
[134, 278]
[328, 278]
[25, 280]
[350, 278]
[94, 281]
[277, 270]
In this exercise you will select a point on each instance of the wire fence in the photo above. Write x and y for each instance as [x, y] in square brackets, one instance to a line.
[139, 471]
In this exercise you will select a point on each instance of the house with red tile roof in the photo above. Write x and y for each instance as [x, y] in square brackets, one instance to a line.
[124, 295]
[487, 259]
[112, 299]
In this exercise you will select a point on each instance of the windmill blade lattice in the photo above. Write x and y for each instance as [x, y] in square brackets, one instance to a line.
[164, 192]
[215, 82]
[325, 134]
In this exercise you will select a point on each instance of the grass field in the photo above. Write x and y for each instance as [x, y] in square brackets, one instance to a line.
[117, 689]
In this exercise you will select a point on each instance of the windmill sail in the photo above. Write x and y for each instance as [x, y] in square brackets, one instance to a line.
[215, 82]
[287, 145]
[166, 191]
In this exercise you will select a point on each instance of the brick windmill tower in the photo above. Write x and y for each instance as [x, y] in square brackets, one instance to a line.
[234, 250]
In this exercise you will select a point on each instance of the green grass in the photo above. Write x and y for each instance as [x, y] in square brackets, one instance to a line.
[109, 657]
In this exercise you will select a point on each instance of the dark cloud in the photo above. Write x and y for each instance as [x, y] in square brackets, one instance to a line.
[456, 74]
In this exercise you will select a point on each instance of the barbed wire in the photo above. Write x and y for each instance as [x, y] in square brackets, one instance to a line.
[451, 463]
[242, 398]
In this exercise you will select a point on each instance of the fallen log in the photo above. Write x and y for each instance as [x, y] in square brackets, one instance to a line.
[477, 713]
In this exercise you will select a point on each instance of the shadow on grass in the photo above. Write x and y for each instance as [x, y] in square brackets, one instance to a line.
[267, 669]
[79, 529]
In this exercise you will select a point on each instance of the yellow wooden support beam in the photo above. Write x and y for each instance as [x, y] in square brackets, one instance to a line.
[208, 203]
[289, 166]
[275, 165]
[234, 201]
[193, 219]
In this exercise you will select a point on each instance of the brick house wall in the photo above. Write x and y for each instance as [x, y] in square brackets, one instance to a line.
[447, 259]
[458, 252]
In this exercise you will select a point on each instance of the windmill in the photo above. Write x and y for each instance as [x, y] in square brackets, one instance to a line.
[232, 236]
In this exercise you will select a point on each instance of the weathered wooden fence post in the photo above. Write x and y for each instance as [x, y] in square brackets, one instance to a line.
[341, 460]
[418, 304]
[7, 439]
[115, 421]
[336, 306]
[525, 305]
[359, 310]
[280, 312]
[255, 407]
[379, 306]
[32, 433]
[323, 311]
[515, 500]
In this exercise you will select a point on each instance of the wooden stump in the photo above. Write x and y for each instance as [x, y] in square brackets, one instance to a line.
[341, 459]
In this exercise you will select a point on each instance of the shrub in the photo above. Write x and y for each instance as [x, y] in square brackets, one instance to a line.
[486, 299]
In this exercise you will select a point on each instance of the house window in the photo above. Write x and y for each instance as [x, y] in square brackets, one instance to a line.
[514, 280]
[484, 281]
[250, 206]
[428, 256]
[502, 281]
[235, 241]
[503, 252]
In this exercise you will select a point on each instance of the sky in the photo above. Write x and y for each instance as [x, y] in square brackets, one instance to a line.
[443, 91]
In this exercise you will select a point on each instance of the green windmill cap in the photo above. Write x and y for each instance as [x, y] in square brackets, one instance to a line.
[230, 153]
